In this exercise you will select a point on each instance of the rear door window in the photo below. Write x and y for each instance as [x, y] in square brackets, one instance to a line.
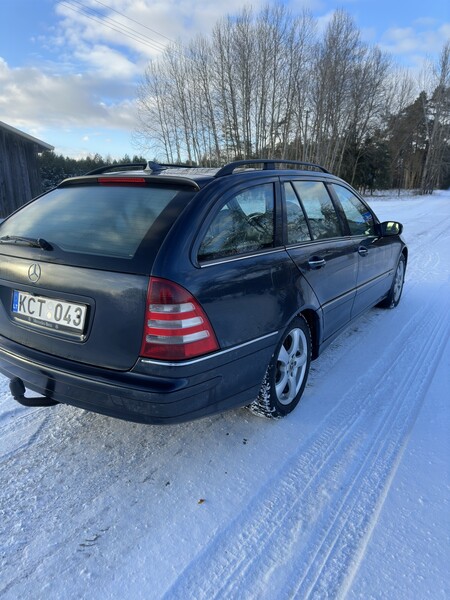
[244, 224]
[322, 217]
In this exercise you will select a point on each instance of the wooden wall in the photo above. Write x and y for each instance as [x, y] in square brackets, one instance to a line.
[19, 172]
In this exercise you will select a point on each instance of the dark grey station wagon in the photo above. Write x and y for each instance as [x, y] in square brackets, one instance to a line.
[160, 294]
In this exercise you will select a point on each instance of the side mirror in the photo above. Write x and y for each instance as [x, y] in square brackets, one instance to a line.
[390, 228]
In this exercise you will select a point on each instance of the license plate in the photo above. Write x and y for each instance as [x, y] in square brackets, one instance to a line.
[58, 315]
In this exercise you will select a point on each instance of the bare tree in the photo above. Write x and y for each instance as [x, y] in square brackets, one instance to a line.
[437, 119]
[155, 112]
[367, 91]
[265, 84]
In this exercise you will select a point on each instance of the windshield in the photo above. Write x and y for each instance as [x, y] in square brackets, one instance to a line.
[110, 221]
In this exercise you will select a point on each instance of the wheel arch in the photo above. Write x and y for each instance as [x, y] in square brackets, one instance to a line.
[405, 254]
[312, 318]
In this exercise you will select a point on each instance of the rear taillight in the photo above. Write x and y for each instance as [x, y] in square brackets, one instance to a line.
[176, 327]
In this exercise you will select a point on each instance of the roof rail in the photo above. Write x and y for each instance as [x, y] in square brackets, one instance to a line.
[268, 164]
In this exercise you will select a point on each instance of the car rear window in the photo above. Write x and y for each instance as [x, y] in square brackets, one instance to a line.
[108, 221]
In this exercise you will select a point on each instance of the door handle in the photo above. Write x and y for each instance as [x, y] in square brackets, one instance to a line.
[362, 251]
[315, 262]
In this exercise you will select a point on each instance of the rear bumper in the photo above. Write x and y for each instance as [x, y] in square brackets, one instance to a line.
[153, 391]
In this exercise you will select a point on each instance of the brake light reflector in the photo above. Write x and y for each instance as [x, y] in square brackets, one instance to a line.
[176, 327]
[117, 180]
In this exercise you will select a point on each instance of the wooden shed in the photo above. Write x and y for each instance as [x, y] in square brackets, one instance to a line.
[20, 179]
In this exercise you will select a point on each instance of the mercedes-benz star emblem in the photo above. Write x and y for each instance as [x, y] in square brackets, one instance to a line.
[34, 273]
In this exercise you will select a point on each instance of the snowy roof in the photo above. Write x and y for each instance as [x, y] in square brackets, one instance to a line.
[28, 137]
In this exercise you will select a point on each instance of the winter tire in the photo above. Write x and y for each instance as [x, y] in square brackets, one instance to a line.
[287, 373]
[395, 293]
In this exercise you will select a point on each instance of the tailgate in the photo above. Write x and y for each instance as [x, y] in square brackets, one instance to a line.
[87, 315]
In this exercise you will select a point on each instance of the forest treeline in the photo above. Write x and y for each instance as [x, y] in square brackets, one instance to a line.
[266, 84]
[56, 167]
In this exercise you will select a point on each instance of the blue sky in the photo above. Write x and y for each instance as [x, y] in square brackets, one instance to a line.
[72, 82]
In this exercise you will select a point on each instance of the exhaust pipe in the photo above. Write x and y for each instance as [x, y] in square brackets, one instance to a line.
[17, 389]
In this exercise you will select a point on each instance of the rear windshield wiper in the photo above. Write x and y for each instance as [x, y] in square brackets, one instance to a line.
[26, 241]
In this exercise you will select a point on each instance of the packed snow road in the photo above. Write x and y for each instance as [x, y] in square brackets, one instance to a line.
[320, 504]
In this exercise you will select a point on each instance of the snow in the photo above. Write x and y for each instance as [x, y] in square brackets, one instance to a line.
[347, 497]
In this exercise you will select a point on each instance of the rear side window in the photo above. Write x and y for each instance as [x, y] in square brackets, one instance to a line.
[322, 217]
[359, 217]
[244, 224]
[109, 221]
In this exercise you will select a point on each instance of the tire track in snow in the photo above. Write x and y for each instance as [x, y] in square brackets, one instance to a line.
[424, 257]
[303, 518]
[43, 518]
[337, 558]
[14, 437]
[18, 421]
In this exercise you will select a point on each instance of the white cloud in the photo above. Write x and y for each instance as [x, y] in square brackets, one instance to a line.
[31, 98]
[144, 27]
[107, 62]
[426, 22]
[324, 20]
[415, 40]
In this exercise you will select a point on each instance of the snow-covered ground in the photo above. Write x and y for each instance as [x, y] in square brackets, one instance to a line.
[348, 497]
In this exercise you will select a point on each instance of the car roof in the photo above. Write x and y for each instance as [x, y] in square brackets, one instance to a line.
[194, 176]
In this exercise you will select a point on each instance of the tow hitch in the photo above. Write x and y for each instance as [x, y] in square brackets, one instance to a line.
[18, 390]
